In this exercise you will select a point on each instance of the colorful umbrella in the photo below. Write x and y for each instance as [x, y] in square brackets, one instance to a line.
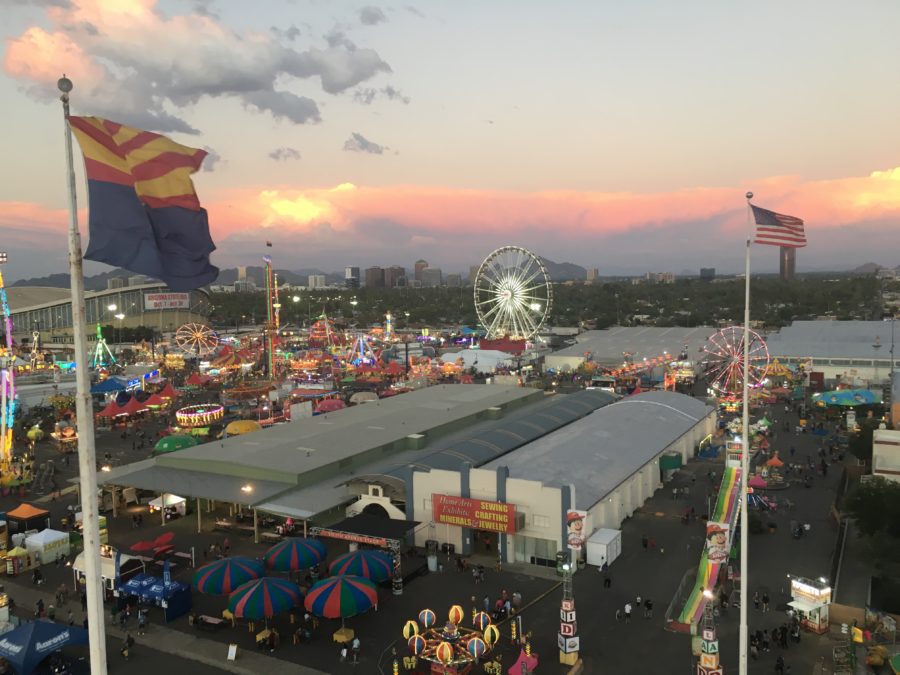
[373, 565]
[341, 597]
[264, 598]
[223, 576]
[295, 553]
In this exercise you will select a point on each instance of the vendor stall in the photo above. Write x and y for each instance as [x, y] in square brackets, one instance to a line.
[17, 561]
[27, 517]
[47, 546]
[810, 599]
[129, 566]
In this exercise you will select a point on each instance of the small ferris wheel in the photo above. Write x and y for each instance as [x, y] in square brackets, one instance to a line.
[196, 338]
[724, 361]
[513, 295]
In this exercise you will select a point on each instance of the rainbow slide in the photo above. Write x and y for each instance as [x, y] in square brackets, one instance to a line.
[726, 511]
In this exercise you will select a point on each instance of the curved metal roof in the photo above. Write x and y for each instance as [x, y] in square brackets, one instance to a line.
[598, 452]
[506, 435]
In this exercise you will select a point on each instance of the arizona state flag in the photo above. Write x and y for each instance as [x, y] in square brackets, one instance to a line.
[144, 213]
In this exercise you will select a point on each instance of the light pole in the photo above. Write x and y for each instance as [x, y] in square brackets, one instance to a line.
[296, 299]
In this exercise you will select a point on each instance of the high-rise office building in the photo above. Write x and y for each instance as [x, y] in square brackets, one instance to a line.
[316, 281]
[431, 276]
[421, 266]
[454, 280]
[787, 262]
[707, 273]
[351, 277]
[592, 275]
[374, 277]
[394, 276]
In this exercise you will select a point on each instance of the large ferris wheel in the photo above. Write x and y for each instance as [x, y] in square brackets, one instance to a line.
[724, 361]
[513, 295]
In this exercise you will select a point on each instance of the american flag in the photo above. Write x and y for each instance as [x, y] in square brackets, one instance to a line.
[776, 229]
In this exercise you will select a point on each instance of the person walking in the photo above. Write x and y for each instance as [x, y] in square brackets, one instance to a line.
[765, 602]
[756, 599]
[648, 608]
[779, 665]
[142, 621]
[765, 640]
[627, 612]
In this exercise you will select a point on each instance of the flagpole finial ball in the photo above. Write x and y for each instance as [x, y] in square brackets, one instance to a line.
[64, 84]
[749, 195]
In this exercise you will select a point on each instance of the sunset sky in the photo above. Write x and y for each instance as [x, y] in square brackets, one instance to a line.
[616, 135]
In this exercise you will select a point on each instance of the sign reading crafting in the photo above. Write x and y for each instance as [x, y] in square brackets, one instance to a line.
[167, 301]
[475, 513]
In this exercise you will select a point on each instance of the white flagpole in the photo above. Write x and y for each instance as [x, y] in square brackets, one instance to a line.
[745, 452]
[87, 463]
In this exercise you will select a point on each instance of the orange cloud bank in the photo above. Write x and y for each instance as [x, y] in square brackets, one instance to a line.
[823, 204]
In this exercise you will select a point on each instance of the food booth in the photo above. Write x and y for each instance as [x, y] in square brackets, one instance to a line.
[47, 546]
[129, 566]
[810, 599]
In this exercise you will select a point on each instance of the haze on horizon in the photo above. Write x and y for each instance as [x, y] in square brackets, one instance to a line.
[621, 136]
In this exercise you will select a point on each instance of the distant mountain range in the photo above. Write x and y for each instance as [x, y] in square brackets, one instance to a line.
[98, 282]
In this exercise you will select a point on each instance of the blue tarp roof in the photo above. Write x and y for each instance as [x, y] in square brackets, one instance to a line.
[29, 644]
[108, 386]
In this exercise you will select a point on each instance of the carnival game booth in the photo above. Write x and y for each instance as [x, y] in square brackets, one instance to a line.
[26, 517]
[129, 566]
[47, 545]
[173, 597]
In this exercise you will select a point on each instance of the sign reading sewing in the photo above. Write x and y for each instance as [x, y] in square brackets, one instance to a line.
[475, 513]
[167, 301]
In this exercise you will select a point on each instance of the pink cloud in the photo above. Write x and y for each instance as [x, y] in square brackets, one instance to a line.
[823, 204]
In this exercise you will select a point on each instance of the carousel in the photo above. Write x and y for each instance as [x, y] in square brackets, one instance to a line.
[451, 649]
[199, 416]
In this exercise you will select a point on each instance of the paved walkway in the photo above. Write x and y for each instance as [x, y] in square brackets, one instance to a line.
[166, 640]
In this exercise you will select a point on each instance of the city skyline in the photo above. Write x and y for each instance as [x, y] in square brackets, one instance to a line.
[378, 134]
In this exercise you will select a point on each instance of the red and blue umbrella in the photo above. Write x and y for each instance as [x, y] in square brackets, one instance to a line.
[295, 553]
[373, 565]
[264, 598]
[341, 597]
[223, 576]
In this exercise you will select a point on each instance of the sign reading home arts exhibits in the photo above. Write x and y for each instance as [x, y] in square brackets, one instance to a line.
[475, 513]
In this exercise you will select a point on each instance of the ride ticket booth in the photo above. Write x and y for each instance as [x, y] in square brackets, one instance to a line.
[810, 599]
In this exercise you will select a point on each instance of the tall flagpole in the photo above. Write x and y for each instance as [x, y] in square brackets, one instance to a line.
[745, 452]
[87, 463]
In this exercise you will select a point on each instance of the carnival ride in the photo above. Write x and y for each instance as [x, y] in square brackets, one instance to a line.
[199, 416]
[361, 352]
[196, 339]
[7, 379]
[513, 295]
[103, 356]
[451, 649]
[723, 361]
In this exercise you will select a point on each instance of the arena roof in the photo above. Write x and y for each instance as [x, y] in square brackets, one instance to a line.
[25, 297]
[325, 448]
[609, 346]
[598, 452]
[832, 339]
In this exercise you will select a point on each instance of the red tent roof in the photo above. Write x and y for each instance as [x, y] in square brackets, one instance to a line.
[133, 407]
[504, 345]
[111, 410]
[197, 379]
[168, 391]
[155, 400]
